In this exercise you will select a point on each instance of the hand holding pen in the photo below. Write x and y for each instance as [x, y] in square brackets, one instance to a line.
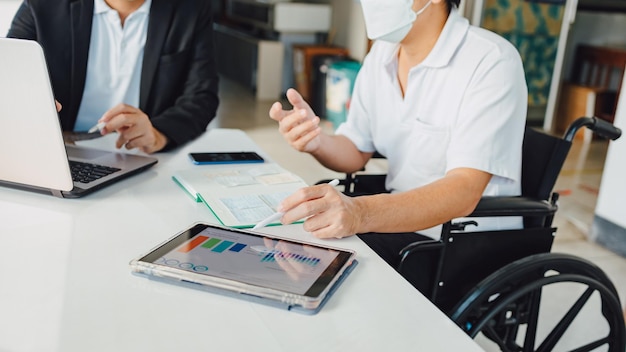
[134, 129]
[97, 127]
[328, 213]
[276, 216]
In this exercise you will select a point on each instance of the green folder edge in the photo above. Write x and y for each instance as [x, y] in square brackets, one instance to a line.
[195, 197]
[199, 199]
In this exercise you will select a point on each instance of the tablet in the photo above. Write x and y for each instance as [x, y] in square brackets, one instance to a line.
[281, 272]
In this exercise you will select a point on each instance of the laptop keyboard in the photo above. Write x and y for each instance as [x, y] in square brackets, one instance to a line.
[86, 172]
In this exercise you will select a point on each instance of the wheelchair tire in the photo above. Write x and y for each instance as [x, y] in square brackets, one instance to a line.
[510, 298]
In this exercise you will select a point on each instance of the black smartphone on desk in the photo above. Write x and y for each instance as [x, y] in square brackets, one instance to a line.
[225, 158]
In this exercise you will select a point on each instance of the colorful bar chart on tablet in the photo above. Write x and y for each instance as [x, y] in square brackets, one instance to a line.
[214, 244]
[271, 257]
[187, 247]
[251, 259]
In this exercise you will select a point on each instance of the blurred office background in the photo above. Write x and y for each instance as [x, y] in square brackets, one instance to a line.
[265, 47]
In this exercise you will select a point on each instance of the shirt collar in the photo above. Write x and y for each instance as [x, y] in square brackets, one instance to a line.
[391, 62]
[449, 40]
[145, 8]
[100, 6]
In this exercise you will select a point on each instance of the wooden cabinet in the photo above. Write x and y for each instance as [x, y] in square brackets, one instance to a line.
[594, 85]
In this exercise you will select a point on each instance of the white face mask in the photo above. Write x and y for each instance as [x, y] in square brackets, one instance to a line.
[389, 20]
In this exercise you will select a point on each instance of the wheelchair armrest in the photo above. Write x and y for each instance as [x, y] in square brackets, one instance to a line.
[513, 206]
[416, 247]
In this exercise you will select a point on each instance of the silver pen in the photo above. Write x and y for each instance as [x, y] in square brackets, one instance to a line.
[97, 127]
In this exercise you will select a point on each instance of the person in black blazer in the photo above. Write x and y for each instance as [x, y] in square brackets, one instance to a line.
[178, 85]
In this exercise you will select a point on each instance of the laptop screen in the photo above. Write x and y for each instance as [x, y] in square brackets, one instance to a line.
[33, 151]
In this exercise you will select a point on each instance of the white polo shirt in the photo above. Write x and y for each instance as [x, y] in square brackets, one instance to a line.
[114, 63]
[464, 107]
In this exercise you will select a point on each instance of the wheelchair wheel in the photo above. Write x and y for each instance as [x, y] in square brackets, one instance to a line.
[505, 307]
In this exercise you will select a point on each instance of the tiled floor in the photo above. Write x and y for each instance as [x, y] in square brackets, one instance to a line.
[578, 182]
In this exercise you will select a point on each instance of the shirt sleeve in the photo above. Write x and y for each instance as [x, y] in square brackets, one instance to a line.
[490, 129]
[357, 126]
[23, 24]
[182, 104]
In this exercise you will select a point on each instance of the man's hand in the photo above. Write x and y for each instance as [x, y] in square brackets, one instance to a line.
[134, 128]
[328, 213]
[299, 126]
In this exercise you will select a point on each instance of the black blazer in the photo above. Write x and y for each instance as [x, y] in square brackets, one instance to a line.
[179, 82]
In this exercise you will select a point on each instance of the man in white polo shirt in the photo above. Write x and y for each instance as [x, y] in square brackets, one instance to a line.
[444, 101]
[143, 68]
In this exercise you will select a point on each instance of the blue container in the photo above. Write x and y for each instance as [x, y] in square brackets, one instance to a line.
[339, 85]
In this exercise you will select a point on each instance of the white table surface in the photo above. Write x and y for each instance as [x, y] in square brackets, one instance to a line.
[65, 283]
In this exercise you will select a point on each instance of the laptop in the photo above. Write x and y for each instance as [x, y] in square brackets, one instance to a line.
[33, 154]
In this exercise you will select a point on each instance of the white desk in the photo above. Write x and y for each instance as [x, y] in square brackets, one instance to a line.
[65, 283]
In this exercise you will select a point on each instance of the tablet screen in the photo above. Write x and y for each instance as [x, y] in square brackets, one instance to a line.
[302, 269]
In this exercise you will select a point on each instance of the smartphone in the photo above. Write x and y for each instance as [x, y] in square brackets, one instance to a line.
[225, 158]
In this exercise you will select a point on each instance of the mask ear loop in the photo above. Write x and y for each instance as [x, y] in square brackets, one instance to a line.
[419, 12]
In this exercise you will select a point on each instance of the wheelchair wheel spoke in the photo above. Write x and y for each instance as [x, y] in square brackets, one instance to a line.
[531, 329]
[556, 334]
[592, 346]
[495, 337]
[498, 312]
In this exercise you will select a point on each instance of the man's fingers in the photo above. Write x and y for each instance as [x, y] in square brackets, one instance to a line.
[305, 202]
[118, 109]
[291, 120]
[296, 99]
[304, 140]
[123, 120]
[130, 143]
[114, 124]
[302, 127]
[276, 112]
[126, 134]
[120, 142]
[139, 142]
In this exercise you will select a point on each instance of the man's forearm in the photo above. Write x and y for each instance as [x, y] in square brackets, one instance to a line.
[338, 153]
[453, 196]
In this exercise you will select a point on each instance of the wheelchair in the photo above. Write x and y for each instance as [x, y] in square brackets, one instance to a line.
[492, 283]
